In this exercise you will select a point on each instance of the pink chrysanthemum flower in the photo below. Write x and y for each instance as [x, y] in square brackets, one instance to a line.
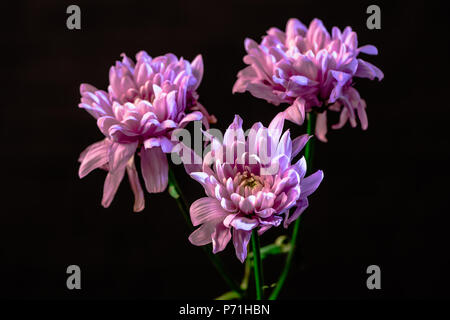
[252, 184]
[146, 102]
[311, 70]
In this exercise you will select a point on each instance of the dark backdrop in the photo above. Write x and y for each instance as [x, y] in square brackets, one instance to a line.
[384, 199]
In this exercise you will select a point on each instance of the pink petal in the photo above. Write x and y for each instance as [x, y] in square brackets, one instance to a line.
[154, 169]
[302, 204]
[296, 112]
[240, 241]
[285, 144]
[294, 28]
[276, 126]
[197, 69]
[111, 185]
[299, 143]
[262, 91]
[119, 154]
[343, 117]
[205, 210]
[368, 70]
[362, 115]
[368, 49]
[166, 144]
[265, 213]
[139, 202]
[93, 157]
[220, 237]
[300, 167]
[247, 205]
[309, 184]
[321, 126]
[243, 223]
[234, 132]
[202, 235]
[152, 142]
[193, 116]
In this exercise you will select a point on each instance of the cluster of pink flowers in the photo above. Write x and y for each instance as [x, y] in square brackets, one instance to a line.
[252, 182]
[309, 69]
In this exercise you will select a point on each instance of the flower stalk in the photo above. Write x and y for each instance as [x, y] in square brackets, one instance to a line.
[257, 265]
[309, 148]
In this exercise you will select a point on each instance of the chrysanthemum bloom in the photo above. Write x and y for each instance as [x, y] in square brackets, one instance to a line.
[252, 184]
[311, 70]
[144, 104]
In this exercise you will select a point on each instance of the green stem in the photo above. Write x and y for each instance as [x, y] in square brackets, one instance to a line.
[175, 192]
[311, 121]
[259, 281]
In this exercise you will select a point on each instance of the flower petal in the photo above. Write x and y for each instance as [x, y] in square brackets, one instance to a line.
[111, 185]
[197, 69]
[193, 116]
[139, 202]
[309, 184]
[154, 169]
[321, 126]
[205, 210]
[93, 157]
[244, 223]
[299, 143]
[276, 127]
[296, 112]
[119, 154]
[202, 235]
[302, 204]
[220, 237]
[240, 241]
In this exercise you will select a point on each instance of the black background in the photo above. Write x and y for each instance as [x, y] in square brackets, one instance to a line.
[384, 199]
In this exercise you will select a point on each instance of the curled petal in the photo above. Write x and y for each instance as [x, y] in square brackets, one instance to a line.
[296, 112]
[309, 184]
[321, 126]
[362, 115]
[243, 223]
[302, 204]
[299, 143]
[368, 49]
[197, 69]
[139, 202]
[194, 116]
[240, 241]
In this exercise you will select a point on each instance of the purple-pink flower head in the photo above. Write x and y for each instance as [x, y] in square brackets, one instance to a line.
[310, 70]
[144, 104]
[250, 183]
[129, 81]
